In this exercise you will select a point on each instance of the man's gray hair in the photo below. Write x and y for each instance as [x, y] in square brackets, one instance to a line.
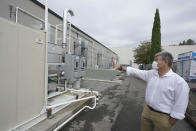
[166, 56]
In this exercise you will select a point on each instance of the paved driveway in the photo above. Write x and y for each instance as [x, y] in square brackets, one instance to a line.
[119, 108]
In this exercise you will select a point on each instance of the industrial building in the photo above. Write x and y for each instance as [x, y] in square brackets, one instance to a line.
[43, 60]
[31, 13]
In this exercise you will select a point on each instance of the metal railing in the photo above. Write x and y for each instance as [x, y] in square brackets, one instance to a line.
[28, 13]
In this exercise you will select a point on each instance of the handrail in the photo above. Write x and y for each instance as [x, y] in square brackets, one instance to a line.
[96, 92]
[81, 99]
[91, 97]
[60, 126]
[21, 124]
[68, 102]
[28, 13]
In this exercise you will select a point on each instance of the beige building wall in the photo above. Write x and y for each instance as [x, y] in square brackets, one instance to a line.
[126, 53]
[175, 50]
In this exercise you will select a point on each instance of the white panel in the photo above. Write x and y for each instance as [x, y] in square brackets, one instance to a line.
[31, 73]
[8, 74]
[22, 68]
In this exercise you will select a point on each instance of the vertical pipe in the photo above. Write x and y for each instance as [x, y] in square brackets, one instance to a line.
[70, 37]
[46, 53]
[56, 31]
[46, 15]
[65, 26]
[102, 58]
[16, 14]
[92, 55]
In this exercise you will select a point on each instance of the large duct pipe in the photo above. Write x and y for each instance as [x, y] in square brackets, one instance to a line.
[46, 15]
[65, 14]
[64, 26]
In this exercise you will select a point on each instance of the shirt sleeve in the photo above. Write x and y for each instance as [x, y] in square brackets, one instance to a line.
[181, 98]
[142, 74]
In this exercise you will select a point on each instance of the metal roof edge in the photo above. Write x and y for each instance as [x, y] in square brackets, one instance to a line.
[58, 16]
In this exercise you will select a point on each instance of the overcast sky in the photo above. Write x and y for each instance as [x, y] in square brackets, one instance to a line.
[118, 23]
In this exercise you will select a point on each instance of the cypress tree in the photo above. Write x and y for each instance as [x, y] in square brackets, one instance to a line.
[156, 36]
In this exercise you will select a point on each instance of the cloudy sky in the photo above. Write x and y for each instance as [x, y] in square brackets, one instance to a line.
[118, 23]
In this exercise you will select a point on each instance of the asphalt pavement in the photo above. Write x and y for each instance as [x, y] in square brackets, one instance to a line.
[119, 108]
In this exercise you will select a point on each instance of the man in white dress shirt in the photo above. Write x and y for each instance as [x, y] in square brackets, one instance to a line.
[167, 94]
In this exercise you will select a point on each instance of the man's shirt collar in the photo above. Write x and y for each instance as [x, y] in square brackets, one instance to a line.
[169, 73]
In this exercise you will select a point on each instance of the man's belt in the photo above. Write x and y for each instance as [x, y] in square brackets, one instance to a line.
[156, 110]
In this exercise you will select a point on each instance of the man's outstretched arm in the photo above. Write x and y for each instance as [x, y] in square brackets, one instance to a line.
[117, 67]
[142, 74]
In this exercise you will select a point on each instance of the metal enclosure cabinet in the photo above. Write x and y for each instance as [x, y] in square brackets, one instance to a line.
[22, 69]
[186, 65]
[193, 67]
[69, 68]
[82, 66]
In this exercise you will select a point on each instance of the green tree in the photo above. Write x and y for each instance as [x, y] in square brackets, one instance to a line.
[142, 53]
[188, 42]
[184, 42]
[156, 36]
